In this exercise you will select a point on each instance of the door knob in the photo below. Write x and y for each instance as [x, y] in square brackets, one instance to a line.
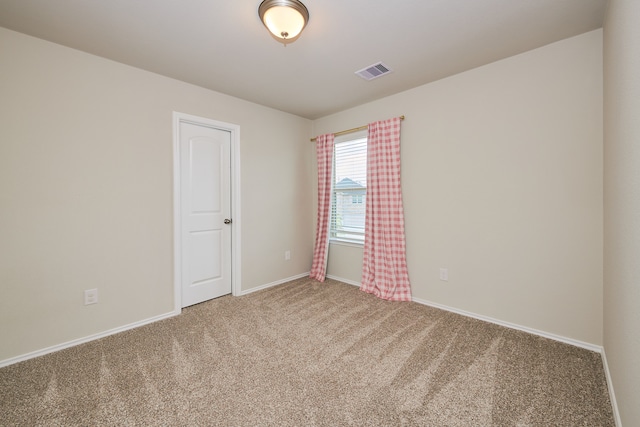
[227, 221]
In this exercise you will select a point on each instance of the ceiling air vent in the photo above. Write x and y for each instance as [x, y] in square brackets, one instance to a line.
[374, 71]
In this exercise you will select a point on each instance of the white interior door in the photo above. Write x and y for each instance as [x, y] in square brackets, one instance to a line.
[205, 200]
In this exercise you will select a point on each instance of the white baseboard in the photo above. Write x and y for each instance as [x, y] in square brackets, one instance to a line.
[340, 279]
[93, 337]
[612, 395]
[113, 331]
[276, 283]
[577, 343]
[560, 338]
[83, 340]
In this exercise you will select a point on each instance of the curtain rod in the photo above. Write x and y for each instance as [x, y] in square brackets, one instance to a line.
[344, 132]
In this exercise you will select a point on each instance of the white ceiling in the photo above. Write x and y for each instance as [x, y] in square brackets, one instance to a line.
[223, 46]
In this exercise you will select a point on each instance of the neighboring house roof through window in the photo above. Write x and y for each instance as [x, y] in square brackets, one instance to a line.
[347, 183]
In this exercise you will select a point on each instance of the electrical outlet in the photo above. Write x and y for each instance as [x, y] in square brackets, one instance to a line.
[90, 296]
[444, 274]
[287, 255]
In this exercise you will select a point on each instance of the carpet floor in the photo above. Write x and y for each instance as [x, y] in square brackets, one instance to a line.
[310, 354]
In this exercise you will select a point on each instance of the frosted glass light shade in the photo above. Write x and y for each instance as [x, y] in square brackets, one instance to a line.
[284, 22]
[285, 19]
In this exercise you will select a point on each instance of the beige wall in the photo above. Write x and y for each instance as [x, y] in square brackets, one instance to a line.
[502, 182]
[502, 173]
[622, 204]
[86, 191]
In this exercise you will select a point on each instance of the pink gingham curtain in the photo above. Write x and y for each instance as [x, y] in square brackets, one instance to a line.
[384, 269]
[324, 154]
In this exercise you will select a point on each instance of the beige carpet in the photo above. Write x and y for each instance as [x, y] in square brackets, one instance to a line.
[310, 354]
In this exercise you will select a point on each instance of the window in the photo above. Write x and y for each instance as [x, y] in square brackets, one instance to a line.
[348, 198]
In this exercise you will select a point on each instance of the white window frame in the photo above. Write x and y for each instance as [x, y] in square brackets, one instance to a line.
[334, 232]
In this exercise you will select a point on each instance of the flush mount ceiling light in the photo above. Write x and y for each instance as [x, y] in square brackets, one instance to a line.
[285, 19]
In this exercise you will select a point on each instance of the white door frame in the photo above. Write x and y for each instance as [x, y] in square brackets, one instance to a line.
[177, 211]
